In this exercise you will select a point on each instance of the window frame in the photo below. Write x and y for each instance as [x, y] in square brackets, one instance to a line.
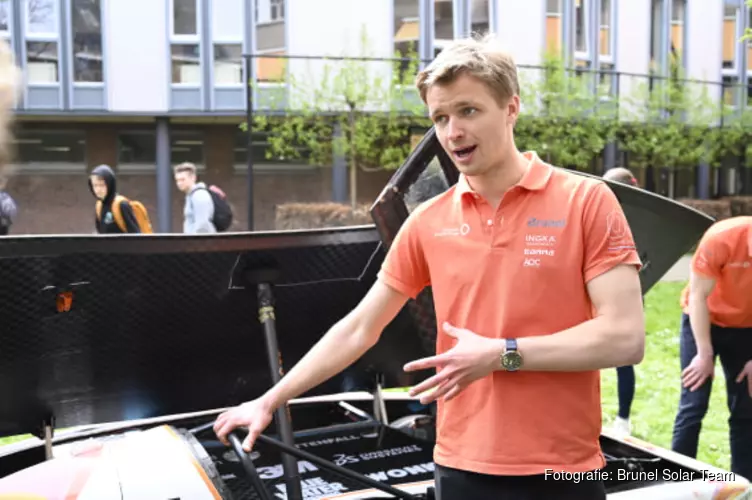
[585, 9]
[43, 37]
[194, 39]
[71, 48]
[219, 38]
[609, 58]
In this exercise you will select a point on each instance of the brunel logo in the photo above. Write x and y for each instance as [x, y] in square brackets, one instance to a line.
[533, 222]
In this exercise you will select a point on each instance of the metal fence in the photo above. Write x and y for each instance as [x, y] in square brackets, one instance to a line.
[284, 84]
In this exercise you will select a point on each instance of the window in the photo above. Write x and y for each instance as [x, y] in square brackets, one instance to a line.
[38, 149]
[553, 27]
[186, 63]
[730, 69]
[677, 30]
[731, 19]
[137, 149]
[606, 41]
[184, 17]
[581, 22]
[269, 11]
[443, 19]
[86, 17]
[5, 19]
[656, 21]
[185, 44]
[479, 16]
[666, 55]
[42, 30]
[277, 10]
[271, 40]
[228, 64]
[42, 17]
[606, 48]
[406, 34]
[227, 32]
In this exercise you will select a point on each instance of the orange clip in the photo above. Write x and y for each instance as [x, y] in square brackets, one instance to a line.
[64, 301]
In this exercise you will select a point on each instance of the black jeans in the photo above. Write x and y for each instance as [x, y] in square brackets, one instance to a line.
[454, 484]
[734, 347]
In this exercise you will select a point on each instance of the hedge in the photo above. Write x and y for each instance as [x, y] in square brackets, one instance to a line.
[723, 208]
[318, 215]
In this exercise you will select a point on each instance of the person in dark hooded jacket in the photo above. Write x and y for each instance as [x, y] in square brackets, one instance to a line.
[102, 183]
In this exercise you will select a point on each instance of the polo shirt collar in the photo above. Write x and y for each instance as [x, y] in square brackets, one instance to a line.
[535, 178]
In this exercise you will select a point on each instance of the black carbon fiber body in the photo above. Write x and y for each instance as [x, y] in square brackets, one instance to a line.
[159, 325]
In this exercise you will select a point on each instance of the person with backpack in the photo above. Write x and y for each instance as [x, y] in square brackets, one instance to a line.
[8, 212]
[114, 213]
[206, 208]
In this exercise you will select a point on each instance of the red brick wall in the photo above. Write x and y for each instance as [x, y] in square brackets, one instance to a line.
[63, 204]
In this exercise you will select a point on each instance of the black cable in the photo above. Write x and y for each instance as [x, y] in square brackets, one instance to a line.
[250, 469]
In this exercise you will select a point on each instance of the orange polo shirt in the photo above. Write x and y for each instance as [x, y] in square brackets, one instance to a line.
[516, 271]
[725, 254]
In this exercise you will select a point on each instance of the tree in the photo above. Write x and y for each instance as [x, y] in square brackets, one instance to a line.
[359, 109]
[669, 122]
[568, 118]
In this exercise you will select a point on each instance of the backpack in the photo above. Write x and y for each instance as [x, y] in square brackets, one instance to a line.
[8, 209]
[222, 219]
[139, 212]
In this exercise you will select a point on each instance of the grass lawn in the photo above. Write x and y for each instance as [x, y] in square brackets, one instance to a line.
[657, 393]
[657, 387]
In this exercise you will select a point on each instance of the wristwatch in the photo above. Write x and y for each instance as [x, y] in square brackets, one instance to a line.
[511, 359]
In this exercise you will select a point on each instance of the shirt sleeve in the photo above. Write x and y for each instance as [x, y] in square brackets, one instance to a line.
[608, 238]
[709, 257]
[203, 211]
[405, 268]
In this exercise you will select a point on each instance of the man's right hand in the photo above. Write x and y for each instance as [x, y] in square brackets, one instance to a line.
[700, 368]
[256, 415]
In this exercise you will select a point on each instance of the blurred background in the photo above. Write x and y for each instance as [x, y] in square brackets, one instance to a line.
[659, 86]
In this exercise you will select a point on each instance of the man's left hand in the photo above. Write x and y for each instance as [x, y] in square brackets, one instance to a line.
[746, 372]
[471, 358]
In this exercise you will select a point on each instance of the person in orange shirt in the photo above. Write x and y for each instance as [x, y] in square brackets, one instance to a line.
[717, 322]
[534, 275]
[625, 375]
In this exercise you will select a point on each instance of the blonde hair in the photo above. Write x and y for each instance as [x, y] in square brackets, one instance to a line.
[186, 166]
[10, 78]
[479, 56]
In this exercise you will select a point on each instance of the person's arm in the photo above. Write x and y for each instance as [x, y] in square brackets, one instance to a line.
[341, 346]
[403, 274]
[700, 288]
[131, 225]
[615, 335]
[203, 211]
[706, 267]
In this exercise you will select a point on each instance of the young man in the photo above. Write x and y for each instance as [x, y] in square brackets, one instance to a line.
[625, 375]
[103, 186]
[8, 212]
[535, 284]
[199, 207]
[717, 322]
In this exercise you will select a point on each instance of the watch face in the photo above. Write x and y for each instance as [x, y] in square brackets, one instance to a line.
[511, 360]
